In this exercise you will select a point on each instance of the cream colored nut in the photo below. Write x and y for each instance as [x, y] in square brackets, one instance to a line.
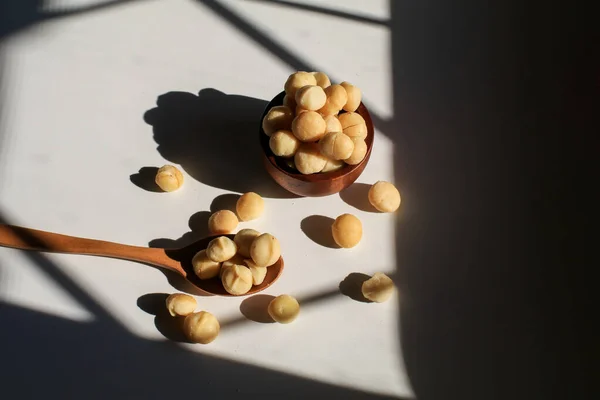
[221, 249]
[169, 178]
[180, 304]
[311, 98]
[336, 99]
[384, 196]
[265, 250]
[238, 259]
[297, 80]
[378, 288]
[309, 160]
[347, 230]
[354, 96]
[222, 221]
[243, 239]
[284, 144]
[278, 118]
[333, 165]
[258, 273]
[353, 124]
[359, 152]
[289, 102]
[336, 146]
[332, 124]
[201, 327]
[322, 79]
[308, 126]
[250, 206]
[284, 309]
[204, 267]
[237, 279]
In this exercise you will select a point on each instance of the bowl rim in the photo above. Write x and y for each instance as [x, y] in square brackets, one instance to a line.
[319, 176]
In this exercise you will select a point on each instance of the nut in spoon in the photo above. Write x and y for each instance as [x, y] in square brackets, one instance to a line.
[174, 260]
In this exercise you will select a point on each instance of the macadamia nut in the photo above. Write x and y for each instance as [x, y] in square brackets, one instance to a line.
[180, 304]
[201, 327]
[284, 144]
[284, 309]
[353, 125]
[289, 102]
[265, 250]
[354, 96]
[333, 165]
[322, 79]
[336, 146]
[332, 124]
[169, 178]
[309, 160]
[384, 196]
[310, 97]
[238, 259]
[378, 288]
[237, 280]
[204, 267]
[258, 273]
[223, 221]
[308, 126]
[221, 249]
[336, 99]
[297, 80]
[347, 230]
[243, 239]
[359, 152]
[278, 118]
[250, 206]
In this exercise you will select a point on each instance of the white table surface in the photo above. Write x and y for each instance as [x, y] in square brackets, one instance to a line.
[74, 94]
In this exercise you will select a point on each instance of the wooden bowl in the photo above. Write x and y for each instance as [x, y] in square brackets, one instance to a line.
[319, 184]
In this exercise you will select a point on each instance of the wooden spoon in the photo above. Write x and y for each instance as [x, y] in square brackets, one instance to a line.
[175, 260]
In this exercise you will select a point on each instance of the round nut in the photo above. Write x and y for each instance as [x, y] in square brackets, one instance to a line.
[204, 267]
[310, 97]
[332, 124]
[336, 146]
[284, 144]
[309, 160]
[278, 118]
[297, 80]
[201, 327]
[169, 178]
[284, 309]
[289, 102]
[378, 288]
[237, 280]
[308, 126]
[347, 230]
[384, 196]
[353, 124]
[332, 165]
[243, 239]
[322, 79]
[354, 96]
[359, 152]
[250, 206]
[221, 249]
[258, 273]
[222, 221]
[180, 304]
[265, 250]
[336, 99]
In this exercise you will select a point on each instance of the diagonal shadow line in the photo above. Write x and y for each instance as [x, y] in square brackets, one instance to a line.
[327, 11]
[83, 10]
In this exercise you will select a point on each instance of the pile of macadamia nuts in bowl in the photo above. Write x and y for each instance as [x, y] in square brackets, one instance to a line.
[317, 136]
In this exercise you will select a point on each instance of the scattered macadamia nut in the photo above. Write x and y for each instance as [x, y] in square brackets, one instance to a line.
[258, 273]
[297, 80]
[169, 178]
[237, 279]
[201, 327]
[359, 152]
[308, 126]
[310, 97]
[243, 239]
[221, 249]
[336, 99]
[354, 96]
[204, 267]
[353, 124]
[347, 230]
[378, 288]
[284, 144]
[332, 124]
[289, 102]
[265, 250]
[333, 165]
[278, 118]
[222, 221]
[284, 309]
[336, 146]
[309, 160]
[180, 304]
[384, 196]
[250, 206]
[322, 79]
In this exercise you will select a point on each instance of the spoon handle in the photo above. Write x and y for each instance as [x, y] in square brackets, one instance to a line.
[31, 239]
